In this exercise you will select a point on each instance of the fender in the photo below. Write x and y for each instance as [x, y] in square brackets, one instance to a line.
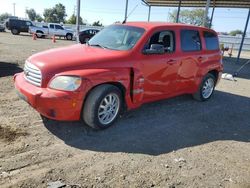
[130, 79]
[204, 69]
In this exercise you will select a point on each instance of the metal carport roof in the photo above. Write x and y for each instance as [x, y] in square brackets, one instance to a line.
[200, 3]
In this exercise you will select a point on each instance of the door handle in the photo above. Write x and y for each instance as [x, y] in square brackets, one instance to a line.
[171, 61]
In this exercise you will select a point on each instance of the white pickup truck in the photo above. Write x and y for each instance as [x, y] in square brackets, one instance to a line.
[51, 29]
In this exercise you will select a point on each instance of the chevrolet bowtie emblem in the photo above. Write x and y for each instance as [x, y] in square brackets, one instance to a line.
[26, 73]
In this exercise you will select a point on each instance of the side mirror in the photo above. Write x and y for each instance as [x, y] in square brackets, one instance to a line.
[155, 49]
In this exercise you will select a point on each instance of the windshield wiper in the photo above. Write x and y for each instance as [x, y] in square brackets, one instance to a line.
[98, 45]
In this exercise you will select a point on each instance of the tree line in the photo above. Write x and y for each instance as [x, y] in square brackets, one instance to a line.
[56, 14]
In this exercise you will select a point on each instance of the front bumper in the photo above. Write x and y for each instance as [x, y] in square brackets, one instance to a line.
[53, 104]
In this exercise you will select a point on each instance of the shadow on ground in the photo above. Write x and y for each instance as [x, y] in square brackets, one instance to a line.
[242, 67]
[9, 69]
[164, 126]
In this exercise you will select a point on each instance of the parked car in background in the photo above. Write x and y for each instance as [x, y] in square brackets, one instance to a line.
[52, 29]
[2, 27]
[123, 66]
[87, 34]
[16, 25]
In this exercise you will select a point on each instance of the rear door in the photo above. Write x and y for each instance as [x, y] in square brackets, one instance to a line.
[191, 58]
[24, 25]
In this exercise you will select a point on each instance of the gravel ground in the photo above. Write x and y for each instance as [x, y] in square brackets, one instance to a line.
[172, 143]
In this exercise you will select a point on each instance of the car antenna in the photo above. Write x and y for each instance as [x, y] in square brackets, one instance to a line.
[124, 21]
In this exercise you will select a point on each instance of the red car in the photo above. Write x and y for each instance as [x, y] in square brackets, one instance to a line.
[123, 66]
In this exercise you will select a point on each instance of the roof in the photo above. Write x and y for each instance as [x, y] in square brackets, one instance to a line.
[150, 25]
[200, 3]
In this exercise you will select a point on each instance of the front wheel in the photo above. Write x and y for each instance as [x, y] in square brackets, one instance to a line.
[69, 36]
[102, 106]
[15, 31]
[39, 34]
[206, 88]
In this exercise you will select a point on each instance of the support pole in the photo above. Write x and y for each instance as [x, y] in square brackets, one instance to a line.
[126, 12]
[212, 17]
[78, 3]
[206, 13]
[149, 12]
[243, 36]
[178, 12]
[14, 9]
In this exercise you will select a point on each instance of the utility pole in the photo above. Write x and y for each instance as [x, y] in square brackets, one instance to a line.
[26, 15]
[78, 2]
[14, 9]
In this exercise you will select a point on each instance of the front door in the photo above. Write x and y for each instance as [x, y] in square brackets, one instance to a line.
[160, 70]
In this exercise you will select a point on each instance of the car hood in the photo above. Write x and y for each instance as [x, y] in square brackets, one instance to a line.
[75, 57]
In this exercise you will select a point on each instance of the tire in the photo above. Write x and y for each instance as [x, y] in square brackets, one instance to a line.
[86, 39]
[69, 36]
[204, 94]
[44, 119]
[96, 107]
[15, 31]
[39, 34]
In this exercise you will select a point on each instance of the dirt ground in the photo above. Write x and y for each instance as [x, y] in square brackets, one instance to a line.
[172, 143]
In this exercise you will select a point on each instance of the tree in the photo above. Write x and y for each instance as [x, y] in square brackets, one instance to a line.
[235, 32]
[72, 20]
[39, 18]
[98, 23]
[194, 17]
[33, 16]
[4, 16]
[56, 14]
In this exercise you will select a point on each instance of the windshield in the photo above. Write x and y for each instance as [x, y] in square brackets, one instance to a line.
[117, 37]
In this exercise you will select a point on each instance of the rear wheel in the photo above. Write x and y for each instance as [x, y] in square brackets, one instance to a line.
[15, 31]
[69, 36]
[102, 106]
[206, 88]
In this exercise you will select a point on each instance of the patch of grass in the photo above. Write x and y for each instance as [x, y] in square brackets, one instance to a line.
[9, 134]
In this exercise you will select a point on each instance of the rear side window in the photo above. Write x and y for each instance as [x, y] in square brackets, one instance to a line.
[28, 23]
[59, 27]
[211, 40]
[190, 40]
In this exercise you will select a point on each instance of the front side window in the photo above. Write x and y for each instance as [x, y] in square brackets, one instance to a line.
[190, 40]
[212, 42]
[117, 37]
[165, 38]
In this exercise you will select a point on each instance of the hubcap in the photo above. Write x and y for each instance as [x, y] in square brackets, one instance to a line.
[108, 108]
[208, 88]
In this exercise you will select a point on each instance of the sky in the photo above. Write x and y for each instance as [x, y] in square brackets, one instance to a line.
[110, 11]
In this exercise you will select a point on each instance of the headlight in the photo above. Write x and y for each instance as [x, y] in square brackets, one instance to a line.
[67, 83]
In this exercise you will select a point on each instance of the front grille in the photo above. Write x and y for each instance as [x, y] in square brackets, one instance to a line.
[32, 74]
